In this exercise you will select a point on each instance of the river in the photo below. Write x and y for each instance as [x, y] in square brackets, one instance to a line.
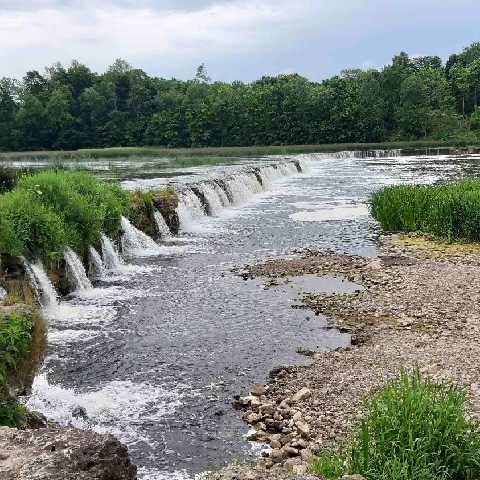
[157, 350]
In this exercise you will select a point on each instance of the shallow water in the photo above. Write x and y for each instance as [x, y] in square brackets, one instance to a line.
[157, 350]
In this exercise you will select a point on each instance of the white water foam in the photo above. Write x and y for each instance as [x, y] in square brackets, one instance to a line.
[135, 242]
[44, 289]
[75, 270]
[118, 407]
[162, 226]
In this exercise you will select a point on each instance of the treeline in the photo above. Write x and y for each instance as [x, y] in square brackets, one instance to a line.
[72, 107]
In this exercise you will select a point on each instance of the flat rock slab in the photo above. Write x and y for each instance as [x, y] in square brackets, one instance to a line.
[62, 453]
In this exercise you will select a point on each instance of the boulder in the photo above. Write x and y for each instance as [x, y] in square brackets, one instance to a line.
[258, 390]
[62, 453]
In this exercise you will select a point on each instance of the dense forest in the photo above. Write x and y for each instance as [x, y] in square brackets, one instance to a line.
[72, 107]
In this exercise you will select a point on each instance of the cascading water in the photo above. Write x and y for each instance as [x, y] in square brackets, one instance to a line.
[111, 259]
[162, 226]
[210, 197]
[44, 290]
[76, 274]
[135, 242]
[95, 264]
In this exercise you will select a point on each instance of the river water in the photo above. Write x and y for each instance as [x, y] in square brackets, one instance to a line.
[156, 351]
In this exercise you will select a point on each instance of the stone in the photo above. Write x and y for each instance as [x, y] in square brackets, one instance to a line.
[267, 409]
[302, 394]
[303, 429]
[300, 469]
[433, 369]
[252, 417]
[290, 451]
[278, 455]
[297, 416]
[291, 462]
[258, 390]
[73, 454]
[275, 444]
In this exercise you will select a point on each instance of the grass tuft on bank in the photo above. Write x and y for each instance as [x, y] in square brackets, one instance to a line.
[411, 428]
[47, 211]
[451, 211]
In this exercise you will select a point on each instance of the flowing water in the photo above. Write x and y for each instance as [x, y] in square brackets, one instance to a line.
[156, 351]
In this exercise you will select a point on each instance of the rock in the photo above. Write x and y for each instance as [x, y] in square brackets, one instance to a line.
[305, 351]
[375, 265]
[278, 455]
[252, 417]
[291, 462]
[303, 429]
[351, 477]
[300, 469]
[290, 451]
[62, 453]
[302, 394]
[267, 409]
[258, 437]
[258, 390]
[3, 293]
[297, 416]
[275, 444]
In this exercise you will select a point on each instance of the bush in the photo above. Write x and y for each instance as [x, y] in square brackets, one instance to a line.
[52, 209]
[410, 429]
[451, 210]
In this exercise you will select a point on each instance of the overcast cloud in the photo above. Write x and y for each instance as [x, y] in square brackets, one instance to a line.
[235, 39]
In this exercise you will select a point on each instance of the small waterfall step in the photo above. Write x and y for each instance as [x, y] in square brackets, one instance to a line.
[134, 241]
[111, 259]
[162, 226]
[42, 286]
[96, 269]
[76, 274]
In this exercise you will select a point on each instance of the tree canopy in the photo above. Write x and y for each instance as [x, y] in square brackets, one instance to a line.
[73, 107]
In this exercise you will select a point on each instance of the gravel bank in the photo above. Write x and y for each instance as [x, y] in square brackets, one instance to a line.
[419, 306]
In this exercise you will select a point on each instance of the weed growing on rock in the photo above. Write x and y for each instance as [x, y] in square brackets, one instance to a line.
[412, 428]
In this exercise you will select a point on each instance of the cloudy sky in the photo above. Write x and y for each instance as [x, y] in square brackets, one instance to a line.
[236, 39]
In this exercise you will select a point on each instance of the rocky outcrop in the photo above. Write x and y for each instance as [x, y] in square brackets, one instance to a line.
[61, 453]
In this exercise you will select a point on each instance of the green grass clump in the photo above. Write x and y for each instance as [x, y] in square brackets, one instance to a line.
[411, 429]
[52, 209]
[450, 210]
[15, 336]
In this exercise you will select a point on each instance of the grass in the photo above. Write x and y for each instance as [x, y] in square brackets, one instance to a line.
[411, 429]
[52, 209]
[212, 155]
[451, 211]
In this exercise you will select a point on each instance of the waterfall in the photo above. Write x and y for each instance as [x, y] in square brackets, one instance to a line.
[44, 290]
[134, 242]
[162, 226]
[76, 274]
[111, 259]
[210, 197]
[95, 264]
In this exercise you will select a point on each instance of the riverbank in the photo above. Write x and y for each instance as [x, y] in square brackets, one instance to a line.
[418, 306]
[179, 157]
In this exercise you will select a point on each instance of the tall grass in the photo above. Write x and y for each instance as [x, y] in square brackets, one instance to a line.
[450, 210]
[52, 209]
[411, 429]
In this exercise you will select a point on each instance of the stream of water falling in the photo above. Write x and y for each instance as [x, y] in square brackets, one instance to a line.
[157, 350]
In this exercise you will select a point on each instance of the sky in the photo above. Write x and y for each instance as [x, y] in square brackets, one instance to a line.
[236, 39]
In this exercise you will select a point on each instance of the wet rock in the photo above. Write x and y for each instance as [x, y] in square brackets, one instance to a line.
[79, 412]
[258, 390]
[71, 454]
[305, 351]
[302, 394]
[251, 417]
[278, 455]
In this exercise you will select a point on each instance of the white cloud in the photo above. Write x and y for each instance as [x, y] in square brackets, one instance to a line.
[103, 31]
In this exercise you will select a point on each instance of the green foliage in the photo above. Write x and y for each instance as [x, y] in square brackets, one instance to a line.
[451, 211]
[52, 209]
[411, 429]
[13, 414]
[73, 107]
[15, 336]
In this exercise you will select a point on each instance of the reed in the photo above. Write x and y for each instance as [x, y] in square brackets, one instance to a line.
[451, 211]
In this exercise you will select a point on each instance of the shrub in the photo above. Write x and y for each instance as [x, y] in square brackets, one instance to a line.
[451, 210]
[52, 209]
[413, 429]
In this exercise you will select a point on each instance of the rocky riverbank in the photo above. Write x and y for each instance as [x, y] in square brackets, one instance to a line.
[419, 306]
